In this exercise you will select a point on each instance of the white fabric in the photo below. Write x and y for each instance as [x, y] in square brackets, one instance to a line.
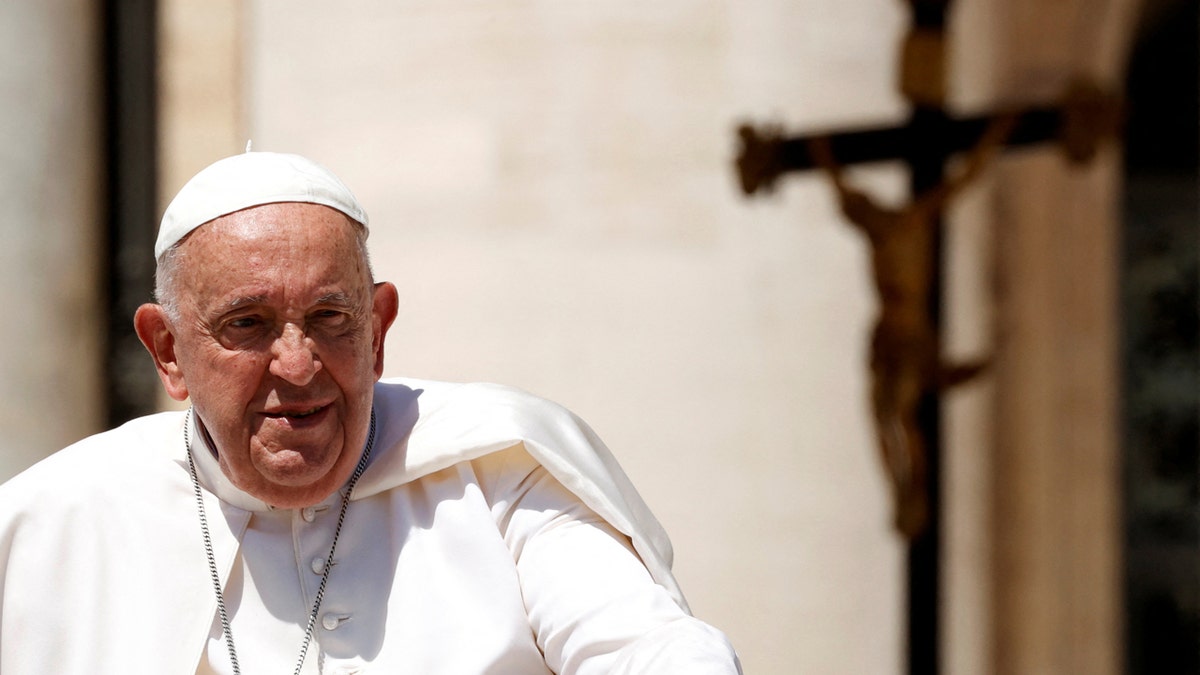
[463, 554]
[252, 179]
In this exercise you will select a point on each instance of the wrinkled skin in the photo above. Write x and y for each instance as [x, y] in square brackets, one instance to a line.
[278, 343]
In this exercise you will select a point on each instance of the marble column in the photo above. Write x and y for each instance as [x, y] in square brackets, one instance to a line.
[51, 167]
[1033, 582]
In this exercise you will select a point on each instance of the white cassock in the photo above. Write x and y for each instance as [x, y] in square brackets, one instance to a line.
[492, 532]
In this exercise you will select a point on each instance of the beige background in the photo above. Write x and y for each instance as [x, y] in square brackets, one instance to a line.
[551, 187]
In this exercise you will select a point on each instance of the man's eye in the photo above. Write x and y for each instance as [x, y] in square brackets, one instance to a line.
[244, 322]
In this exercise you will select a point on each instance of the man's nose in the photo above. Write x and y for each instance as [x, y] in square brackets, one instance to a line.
[292, 356]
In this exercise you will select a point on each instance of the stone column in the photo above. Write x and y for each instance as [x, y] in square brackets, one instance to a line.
[1033, 472]
[200, 85]
[50, 229]
[201, 116]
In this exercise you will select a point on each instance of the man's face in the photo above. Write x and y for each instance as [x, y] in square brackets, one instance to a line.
[278, 344]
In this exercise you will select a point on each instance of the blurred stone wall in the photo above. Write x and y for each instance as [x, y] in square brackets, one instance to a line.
[551, 187]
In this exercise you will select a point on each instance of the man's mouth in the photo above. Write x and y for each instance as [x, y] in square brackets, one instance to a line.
[295, 414]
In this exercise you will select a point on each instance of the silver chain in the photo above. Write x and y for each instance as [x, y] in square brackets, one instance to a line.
[212, 562]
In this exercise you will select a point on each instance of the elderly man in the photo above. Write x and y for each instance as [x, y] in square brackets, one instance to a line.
[305, 515]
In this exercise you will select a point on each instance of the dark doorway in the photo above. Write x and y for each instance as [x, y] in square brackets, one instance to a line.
[131, 138]
[1160, 294]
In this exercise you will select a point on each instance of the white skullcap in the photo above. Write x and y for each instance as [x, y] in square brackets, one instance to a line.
[252, 179]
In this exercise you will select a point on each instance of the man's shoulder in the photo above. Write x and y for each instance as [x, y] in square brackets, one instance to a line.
[426, 426]
[113, 460]
[480, 402]
[478, 412]
[462, 422]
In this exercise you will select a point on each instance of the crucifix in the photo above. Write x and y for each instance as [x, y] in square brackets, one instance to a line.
[906, 368]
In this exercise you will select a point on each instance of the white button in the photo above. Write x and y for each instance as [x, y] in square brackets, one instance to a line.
[329, 621]
[308, 513]
[318, 565]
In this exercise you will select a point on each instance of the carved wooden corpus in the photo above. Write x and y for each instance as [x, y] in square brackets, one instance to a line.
[905, 364]
[905, 360]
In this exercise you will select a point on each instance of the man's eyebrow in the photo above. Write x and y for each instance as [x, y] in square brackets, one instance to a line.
[336, 298]
[239, 302]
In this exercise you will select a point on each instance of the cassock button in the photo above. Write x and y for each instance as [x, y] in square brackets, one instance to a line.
[330, 621]
[308, 513]
[318, 565]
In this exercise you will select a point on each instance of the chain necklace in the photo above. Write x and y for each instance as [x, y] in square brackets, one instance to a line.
[212, 563]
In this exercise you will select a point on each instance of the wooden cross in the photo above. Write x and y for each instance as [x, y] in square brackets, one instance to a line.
[907, 373]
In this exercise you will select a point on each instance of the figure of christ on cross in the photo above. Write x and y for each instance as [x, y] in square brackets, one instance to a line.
[905, 355]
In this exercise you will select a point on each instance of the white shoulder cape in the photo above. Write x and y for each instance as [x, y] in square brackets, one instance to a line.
[102, 567]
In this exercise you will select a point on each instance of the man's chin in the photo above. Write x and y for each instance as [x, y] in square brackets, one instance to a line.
[289, 478]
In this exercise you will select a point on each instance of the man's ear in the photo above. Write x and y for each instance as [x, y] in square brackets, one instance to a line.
[384, 306]
[154, 330]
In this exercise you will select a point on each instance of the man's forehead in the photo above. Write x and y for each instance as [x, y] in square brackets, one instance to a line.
[288, 253]
[217, 294]
[248, 180]
[339, 298]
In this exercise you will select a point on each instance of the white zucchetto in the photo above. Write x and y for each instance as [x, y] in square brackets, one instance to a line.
[252, 179]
